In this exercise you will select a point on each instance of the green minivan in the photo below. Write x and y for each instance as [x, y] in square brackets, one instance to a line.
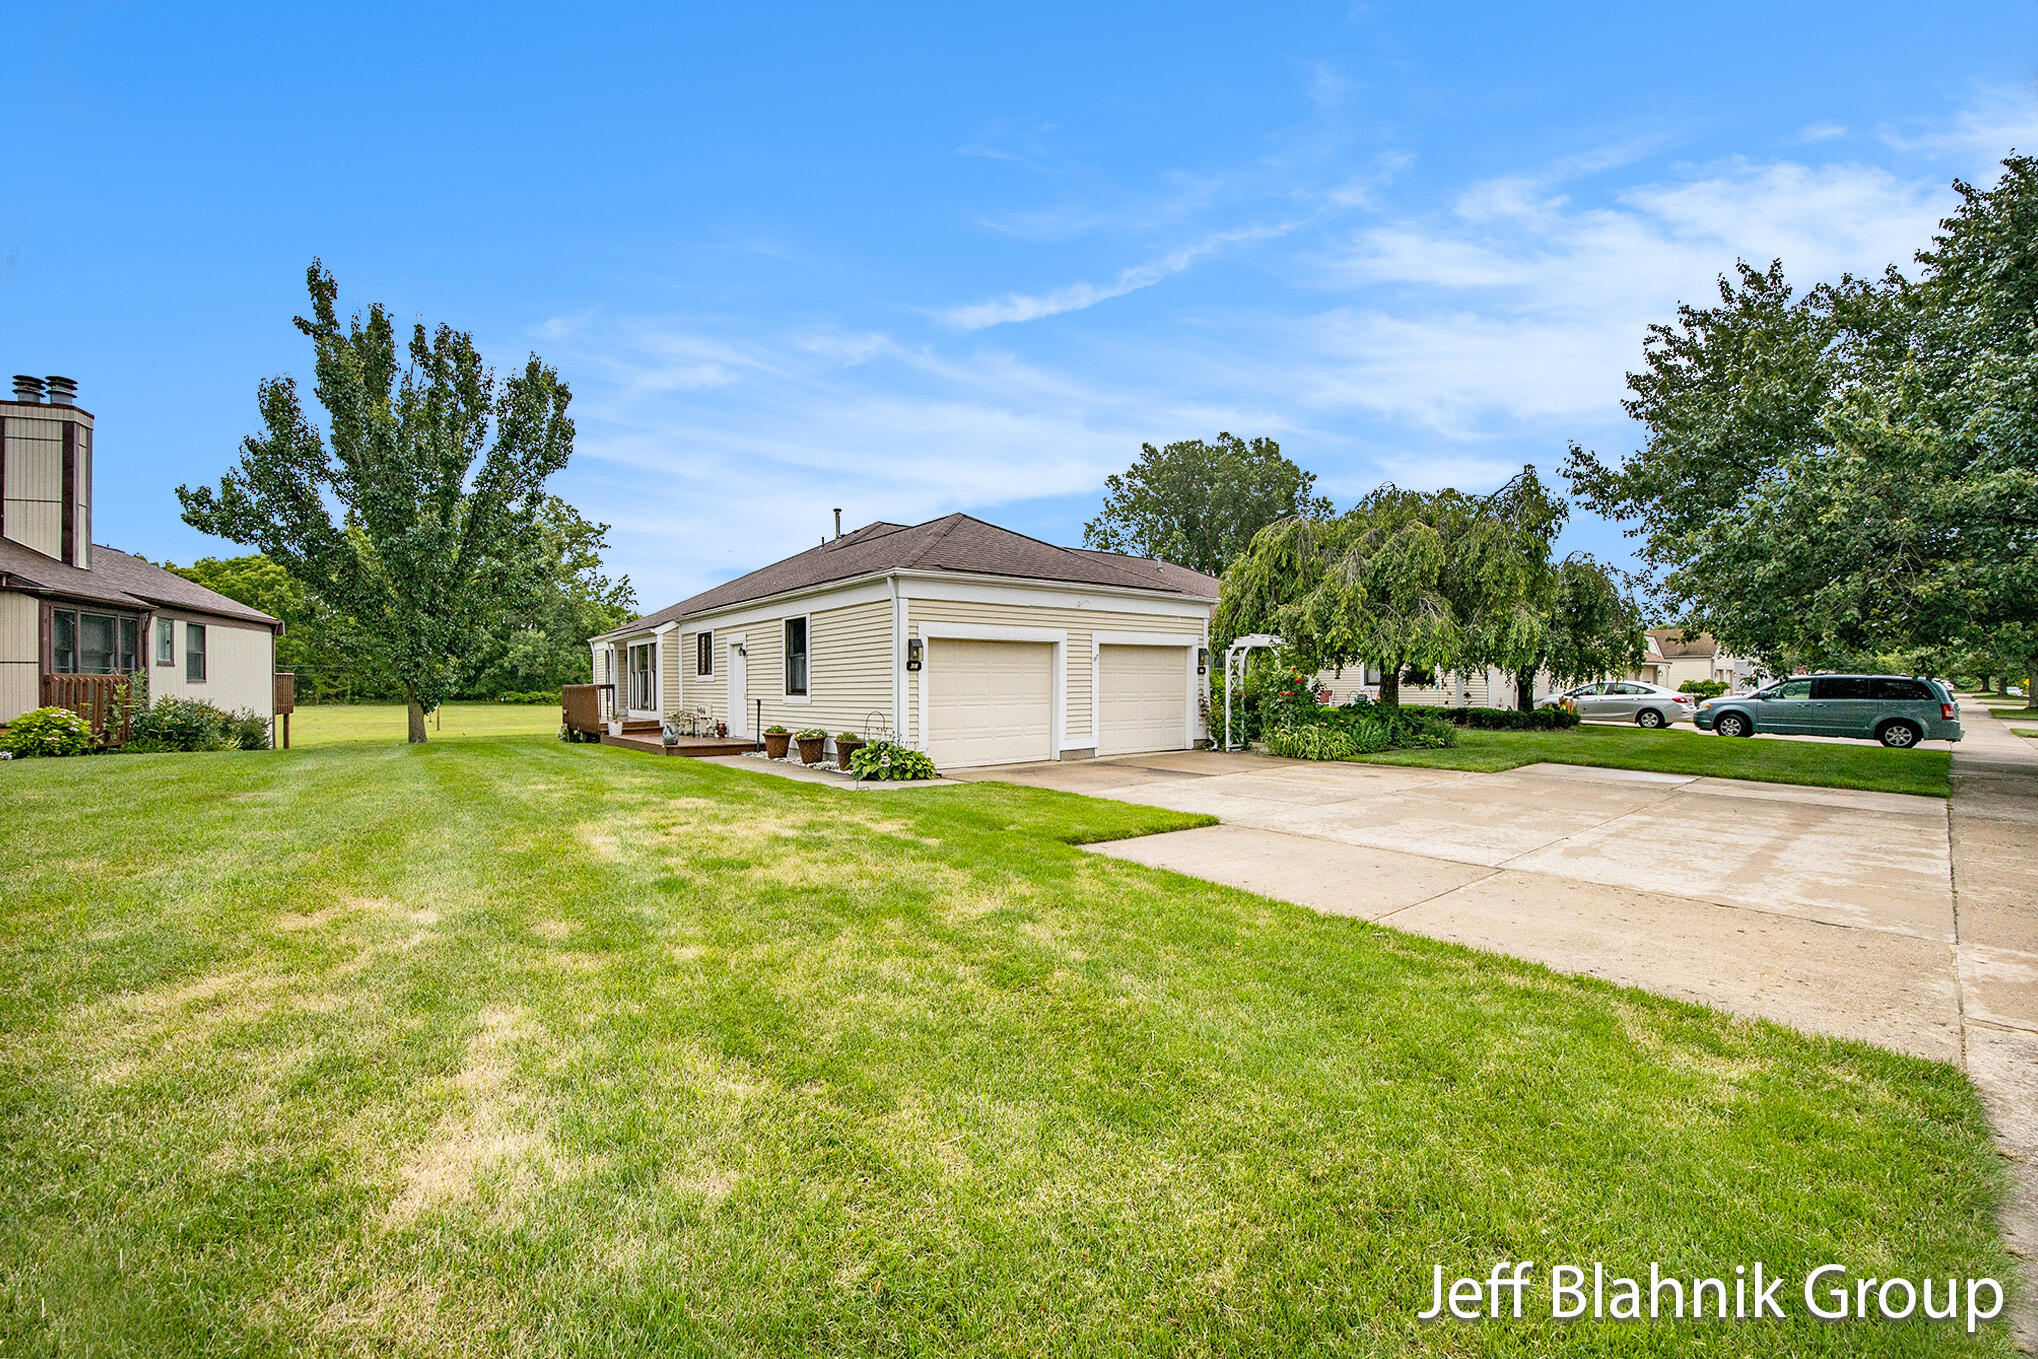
[1897, 710]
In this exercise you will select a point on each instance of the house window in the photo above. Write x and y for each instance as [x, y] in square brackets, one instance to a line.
[194, 653]
[796, 656]
[704, 653]
[92, 643]
[64, 643]
[166, 642]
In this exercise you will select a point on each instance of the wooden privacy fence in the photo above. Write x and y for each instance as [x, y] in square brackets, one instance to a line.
[96, 698]
[584, 707]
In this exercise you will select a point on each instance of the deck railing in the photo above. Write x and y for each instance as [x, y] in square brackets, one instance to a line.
[96, 698]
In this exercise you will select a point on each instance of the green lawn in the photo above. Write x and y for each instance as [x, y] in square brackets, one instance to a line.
[1674, 751]
[510, 1047]
[333, 723]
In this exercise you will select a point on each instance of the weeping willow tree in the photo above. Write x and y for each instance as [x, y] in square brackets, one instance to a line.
[1404, 580]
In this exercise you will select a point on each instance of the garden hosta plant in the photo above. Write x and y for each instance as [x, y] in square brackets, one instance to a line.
[889, 760]
[47, 731]
[1311, 743]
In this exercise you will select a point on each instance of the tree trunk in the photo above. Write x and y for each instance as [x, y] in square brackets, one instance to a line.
[1390, 686]
[1525, 690]
[417, 716]
[2031, 681]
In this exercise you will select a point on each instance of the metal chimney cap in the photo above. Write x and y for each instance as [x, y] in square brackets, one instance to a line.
[28, 388]
[63, 390]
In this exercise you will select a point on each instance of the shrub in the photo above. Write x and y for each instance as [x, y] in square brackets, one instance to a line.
[848, 736]
[1703, 688]
[185, 724]
[1513, 719]
[47, 731]
[1310, 743]
[529, 696]
[775, 730]
[889, 760]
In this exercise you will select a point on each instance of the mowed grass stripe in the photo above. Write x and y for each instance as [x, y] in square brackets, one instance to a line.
[516, 1047]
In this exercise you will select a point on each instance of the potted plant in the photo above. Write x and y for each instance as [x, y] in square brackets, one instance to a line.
[847, 743]
[776, 739]
[811, 740]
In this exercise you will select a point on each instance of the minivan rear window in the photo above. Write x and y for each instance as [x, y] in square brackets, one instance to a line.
[1901, 691]
[1842, 686]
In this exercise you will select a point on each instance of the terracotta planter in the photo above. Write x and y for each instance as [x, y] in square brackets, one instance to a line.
[810, 749]
[775, 744]
[844, 749]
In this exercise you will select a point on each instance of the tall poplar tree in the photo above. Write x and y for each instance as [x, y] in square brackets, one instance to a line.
[387, 516]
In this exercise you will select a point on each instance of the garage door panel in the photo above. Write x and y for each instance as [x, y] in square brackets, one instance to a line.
[990, 702]
[1142, 699]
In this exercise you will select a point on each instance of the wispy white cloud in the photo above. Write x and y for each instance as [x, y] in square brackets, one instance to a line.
[1522, 306]
[1017, 307]
[1821, 132]
[1995, 122]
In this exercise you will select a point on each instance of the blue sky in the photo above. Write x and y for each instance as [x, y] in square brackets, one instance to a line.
[914, 260]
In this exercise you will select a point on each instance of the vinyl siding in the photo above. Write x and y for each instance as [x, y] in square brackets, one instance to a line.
[1080, 624]
[20, 665]
[35, 480]
[240, 666]
[849, 674]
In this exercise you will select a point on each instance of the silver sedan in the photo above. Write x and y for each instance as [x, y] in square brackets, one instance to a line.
[1646, 705]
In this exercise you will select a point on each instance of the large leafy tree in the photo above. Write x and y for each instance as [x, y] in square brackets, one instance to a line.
[1854, 471]
[540, 641]
[331, 655]
[1198, 504]
[387, 516]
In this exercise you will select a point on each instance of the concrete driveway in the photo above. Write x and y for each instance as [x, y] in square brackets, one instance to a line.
[1825, 909]
[1906, 921]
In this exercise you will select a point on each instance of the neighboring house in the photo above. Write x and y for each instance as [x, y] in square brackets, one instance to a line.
[69, 606]
[1488, 688]
[976, 644]
[1672, 661]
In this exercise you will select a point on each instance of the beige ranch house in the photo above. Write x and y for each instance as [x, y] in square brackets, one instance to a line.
[975, 644]
[72, 609]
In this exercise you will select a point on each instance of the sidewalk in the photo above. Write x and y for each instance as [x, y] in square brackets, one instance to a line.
[1994, 838]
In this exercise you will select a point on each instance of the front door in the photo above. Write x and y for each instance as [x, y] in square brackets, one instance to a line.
[643, 695]
[739, 693]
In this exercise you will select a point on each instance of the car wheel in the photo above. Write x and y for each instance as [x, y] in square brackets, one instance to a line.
[1899, 735]
[1732, 724]
[1649, 717]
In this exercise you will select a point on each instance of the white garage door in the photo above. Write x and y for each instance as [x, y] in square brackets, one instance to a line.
[1142, 699]
[989, 702]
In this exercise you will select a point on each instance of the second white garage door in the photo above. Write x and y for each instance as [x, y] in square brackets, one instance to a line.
[1142, 699]
[989, 702]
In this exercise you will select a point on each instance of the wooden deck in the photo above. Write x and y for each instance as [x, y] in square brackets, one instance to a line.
[688, 745]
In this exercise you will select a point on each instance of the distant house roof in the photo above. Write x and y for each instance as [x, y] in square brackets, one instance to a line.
[118, 578]
[1670, 644]
[957, 543]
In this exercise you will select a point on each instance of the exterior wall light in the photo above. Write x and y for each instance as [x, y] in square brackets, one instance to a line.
[915, 650]
[1202, 660]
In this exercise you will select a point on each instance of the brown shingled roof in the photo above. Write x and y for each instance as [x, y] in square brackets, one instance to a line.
[956, 543]
[116, 577]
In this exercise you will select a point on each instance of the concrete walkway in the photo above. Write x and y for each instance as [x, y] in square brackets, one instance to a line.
[1995, 878]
